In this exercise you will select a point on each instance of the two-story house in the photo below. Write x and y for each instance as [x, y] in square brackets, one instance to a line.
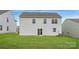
[40, 23]
[7, 22]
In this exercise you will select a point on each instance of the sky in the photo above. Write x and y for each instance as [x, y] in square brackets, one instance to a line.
[64, 13]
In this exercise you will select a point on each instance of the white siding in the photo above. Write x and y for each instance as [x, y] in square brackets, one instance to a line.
[4, 23]
[71, 27]
[28, 28]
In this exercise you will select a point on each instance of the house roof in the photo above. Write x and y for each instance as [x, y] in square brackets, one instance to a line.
[74, 20]
[39, 15]
[3, 11]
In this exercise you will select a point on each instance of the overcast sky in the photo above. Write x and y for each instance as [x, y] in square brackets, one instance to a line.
[64, 13]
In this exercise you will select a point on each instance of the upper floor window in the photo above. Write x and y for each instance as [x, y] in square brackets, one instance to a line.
[45, 21]
[33, 21]
[54, 29]
[54, 21]
[7, 19]
[1, 27]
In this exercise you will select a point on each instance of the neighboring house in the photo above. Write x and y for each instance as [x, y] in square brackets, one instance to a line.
[71, 27]
[7, 22]
[38, 23]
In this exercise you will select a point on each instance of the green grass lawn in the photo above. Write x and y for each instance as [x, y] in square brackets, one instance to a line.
[13, 41]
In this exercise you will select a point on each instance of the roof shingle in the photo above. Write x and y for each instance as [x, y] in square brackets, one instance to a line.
[39, 15]
[3, 11]
[75, 20]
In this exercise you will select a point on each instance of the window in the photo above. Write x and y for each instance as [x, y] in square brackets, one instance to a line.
[33, 21]
[45, 21]
[54, 29]
[1, 27]
[7, 19]
[7, 28]
[54, 21]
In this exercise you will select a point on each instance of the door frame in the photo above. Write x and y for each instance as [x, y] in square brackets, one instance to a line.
[39, 31]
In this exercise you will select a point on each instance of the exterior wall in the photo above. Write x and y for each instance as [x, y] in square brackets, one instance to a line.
[4, 23]
[28, 28]
[71, 28]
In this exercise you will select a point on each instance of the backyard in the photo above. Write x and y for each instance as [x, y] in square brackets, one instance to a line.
[14, 41]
